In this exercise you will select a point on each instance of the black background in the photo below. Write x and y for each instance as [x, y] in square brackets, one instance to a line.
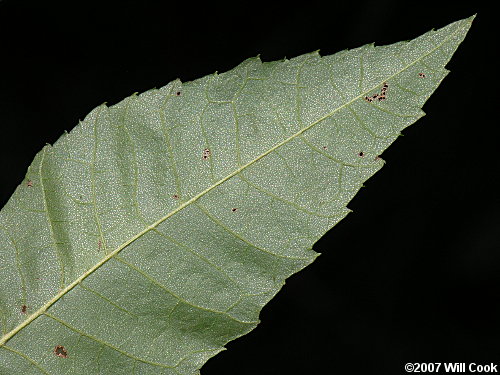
[413, 275]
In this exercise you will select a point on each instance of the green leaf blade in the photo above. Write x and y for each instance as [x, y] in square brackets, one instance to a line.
[155, 231]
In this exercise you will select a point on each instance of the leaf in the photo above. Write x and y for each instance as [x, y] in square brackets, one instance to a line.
[156, 230]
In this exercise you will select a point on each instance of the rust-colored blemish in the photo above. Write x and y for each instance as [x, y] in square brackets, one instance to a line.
[178, 93]
[29, 183]
[206, 154]
[379, 97]
[234, 209]
[24, 308]
[99, 244]
[61, 351]
[175, 196]
[421, 75]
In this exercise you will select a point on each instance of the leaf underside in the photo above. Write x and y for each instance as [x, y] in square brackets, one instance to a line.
[156, 230]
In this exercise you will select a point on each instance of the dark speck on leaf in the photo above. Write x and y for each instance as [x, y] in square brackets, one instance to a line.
[61, 351]
[206, 154]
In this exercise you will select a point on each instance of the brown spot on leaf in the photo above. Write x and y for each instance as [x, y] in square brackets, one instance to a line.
[324, 148]
[99, 244]
[379, 97]
[29, 183]
[61, 351]
[234, 209]
[206, 154]
[361, 154]
[175, 196]
[421, 75]
[24, 308]
[178, 93]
